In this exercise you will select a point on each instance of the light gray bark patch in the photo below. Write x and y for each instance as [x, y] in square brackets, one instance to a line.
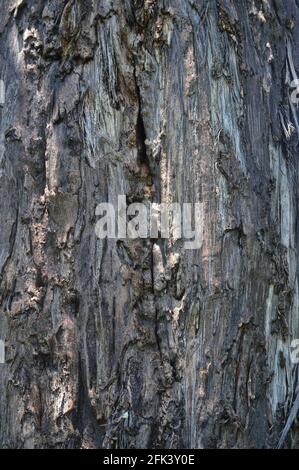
[2, 352]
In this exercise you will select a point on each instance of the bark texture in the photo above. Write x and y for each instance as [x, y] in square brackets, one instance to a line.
[142, 344]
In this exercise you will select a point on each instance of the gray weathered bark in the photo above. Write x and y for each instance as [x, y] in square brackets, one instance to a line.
[121, 343]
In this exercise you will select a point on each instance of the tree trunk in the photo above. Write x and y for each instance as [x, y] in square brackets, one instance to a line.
[119, 343]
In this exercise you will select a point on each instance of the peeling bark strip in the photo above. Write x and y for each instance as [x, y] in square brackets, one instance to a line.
[290, 421]
[141, 343]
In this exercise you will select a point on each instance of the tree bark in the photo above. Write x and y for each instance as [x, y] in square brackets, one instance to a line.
[142, 343]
